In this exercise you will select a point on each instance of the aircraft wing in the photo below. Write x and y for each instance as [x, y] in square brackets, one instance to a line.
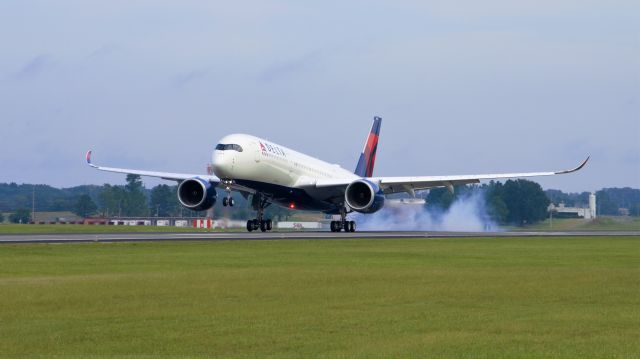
[411, 184]
[163, 175]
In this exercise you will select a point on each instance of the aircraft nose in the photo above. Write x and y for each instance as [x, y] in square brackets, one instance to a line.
[222, 164]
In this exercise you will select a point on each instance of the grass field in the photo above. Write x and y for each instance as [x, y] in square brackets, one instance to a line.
[439, 298]
[80, 228]
[608, 223]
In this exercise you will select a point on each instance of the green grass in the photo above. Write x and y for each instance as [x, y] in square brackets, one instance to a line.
[439, 298]
[80, 228]
[575, 224]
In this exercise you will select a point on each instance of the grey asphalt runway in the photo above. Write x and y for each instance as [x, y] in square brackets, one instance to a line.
[152, 237]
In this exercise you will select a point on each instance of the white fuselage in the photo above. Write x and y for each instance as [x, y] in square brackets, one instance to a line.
[265, 161]
[274, 169]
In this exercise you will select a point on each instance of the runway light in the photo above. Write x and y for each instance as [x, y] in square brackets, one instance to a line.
[292, 206]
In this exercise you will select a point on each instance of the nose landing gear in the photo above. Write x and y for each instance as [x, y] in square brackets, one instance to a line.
[228, 201]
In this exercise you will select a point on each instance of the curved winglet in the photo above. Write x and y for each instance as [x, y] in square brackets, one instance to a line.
[574, 169]
[88, 157]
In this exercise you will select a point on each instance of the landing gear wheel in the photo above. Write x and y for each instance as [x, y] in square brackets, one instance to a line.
[352, 226]
[231, 202]
[249, 225]
[225, 202]
[333, 226]
[259, 202]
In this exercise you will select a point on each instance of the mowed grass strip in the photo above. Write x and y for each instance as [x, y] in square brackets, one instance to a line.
[609, 223]
[444, 298]
[88, 228]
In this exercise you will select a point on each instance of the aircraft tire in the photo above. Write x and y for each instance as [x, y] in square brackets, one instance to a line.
[250, 225]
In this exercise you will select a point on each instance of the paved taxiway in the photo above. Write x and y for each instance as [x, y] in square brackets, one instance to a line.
[151, 237]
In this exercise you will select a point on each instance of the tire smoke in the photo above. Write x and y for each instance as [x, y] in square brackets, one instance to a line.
[467, 213]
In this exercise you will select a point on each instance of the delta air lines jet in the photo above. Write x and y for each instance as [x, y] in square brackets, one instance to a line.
[273, 174]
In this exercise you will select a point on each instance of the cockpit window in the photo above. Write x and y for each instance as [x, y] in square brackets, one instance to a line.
[224, 147]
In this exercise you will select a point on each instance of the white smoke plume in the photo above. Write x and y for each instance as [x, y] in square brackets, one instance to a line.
[467, 214]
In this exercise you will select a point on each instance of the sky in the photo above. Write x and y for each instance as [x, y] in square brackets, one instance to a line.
[463, 87]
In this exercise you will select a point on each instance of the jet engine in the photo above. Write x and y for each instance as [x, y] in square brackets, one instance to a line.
[364, 196]
[197, 194]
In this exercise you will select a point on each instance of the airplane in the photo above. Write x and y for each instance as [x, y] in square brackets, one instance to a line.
[270, 173]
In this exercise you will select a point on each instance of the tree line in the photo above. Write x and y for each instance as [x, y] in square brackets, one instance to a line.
[129, 200]
[521, 201]
[515, 202]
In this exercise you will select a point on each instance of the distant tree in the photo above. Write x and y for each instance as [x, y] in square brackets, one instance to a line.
[605, 205]
[610, 200]
[440, 198]
[569, 199]
[112, 200]
[624, 197]
[136, 201]
[59, 204]
[21, 215]
[525, 200]
[163, 201]
[47, 198]
[85, 206]
[556, 196]
[497, 209]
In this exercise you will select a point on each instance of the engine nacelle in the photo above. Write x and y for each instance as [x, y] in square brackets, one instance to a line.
[364, 196]
[197, 194]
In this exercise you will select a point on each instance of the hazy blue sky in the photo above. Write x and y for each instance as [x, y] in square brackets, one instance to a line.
[463, 87]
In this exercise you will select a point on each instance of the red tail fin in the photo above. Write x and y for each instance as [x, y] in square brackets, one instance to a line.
[367, 159]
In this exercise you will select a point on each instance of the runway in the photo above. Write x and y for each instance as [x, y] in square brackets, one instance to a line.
[302, 235]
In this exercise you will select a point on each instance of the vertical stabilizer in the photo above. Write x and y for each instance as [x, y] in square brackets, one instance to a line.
[368, 156]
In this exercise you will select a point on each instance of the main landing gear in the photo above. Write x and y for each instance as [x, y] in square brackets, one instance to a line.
[347, 226]
[259, 203]
[343, 224]
[263, 225]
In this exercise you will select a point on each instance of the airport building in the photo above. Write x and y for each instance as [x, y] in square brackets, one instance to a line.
[561, 211]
